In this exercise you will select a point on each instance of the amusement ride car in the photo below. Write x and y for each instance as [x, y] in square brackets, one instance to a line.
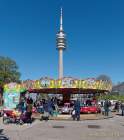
[66, 109]
[90, 109]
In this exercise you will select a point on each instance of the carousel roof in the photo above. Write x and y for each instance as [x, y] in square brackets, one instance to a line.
[61, 86]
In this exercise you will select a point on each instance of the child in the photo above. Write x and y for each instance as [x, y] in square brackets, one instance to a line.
[73, 114]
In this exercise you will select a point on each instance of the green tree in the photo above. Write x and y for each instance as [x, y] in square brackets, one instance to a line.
[104, 77]
[111, 97]
[8, 71]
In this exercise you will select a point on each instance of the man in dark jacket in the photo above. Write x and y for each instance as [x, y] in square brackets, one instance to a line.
[122, 109]
[77, 109]
[45, 115]
[50, 105]
[106, 107]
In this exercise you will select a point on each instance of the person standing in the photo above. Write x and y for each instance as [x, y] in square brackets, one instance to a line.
[117, 106]
[77, 109]
[45, 115]
[106, 107]
[50, 109]
[122, 108]
[73, 114]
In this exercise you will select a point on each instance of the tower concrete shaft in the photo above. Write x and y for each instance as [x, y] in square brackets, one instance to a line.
[60, 63]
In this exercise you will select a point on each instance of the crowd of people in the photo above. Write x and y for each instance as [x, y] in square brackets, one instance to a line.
[107, 107]
[50, 107]
[45, 106]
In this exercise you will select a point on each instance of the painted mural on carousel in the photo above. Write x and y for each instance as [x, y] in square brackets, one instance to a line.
[66, 82]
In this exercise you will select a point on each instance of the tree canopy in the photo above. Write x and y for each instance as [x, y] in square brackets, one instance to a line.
[8, 71]
[104, 77]
[111, 97]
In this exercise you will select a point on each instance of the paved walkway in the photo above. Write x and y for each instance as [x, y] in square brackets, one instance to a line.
[82, 116]
[107, 129]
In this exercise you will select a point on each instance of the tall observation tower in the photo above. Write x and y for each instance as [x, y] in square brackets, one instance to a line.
[61, 45]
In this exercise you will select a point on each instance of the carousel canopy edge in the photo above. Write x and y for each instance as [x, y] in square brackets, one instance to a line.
[66, 82]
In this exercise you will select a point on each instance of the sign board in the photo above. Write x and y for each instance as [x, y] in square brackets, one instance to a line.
[11, 99]
[11, 95]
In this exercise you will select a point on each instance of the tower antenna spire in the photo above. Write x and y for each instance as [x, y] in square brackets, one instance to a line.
[61, 20]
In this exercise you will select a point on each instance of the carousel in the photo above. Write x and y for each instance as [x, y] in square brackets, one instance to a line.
[65, 86]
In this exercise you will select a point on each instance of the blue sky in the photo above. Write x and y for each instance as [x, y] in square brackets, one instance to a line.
[95, 37]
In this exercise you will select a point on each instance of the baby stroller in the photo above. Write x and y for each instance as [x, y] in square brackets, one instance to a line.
[26, 117]
[10, 116]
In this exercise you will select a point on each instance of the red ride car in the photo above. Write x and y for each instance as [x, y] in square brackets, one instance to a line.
[90, 109]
